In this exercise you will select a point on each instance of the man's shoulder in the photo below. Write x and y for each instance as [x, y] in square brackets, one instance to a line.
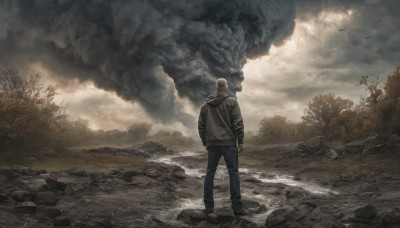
[231, 100]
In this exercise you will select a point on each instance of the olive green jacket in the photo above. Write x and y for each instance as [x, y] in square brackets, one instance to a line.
[220, 121]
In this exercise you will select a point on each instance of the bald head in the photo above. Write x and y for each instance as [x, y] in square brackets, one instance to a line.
[221, 85]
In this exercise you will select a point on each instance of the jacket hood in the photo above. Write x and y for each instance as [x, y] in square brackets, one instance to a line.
[216, 99]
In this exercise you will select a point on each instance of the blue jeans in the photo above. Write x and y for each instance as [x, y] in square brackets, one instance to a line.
[230, 154]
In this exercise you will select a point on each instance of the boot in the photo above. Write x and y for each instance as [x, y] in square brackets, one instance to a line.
[238, 211]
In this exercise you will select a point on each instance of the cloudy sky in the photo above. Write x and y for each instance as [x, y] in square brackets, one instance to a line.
[275, 66]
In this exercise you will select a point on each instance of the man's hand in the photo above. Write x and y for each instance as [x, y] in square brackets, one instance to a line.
[206, 147]
[240, 149]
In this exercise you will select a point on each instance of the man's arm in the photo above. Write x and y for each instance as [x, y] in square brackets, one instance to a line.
[202, 125]
[237, 123]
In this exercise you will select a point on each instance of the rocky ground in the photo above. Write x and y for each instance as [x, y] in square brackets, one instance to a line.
[167, 192]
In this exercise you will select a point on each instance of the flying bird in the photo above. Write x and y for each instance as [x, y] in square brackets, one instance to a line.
[341, 29]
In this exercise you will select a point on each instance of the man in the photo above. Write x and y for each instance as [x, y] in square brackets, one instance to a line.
[221, 129]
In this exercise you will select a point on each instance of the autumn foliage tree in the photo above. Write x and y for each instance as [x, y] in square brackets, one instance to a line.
[28, 113]
[139, 130]
[274, 128]
[383, 104]
[392, 95]
[323, 109]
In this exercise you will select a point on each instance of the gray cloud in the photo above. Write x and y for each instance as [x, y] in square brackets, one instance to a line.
[134, 47]
[320, 59]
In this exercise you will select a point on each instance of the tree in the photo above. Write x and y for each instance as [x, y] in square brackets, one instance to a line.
[28, 113]
[274, 128]
[322, 109]
[383, 104]
[139, 130]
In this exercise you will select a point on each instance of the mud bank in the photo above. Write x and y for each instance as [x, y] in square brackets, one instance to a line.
[167, 192]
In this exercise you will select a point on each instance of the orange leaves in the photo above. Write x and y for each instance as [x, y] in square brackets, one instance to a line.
[323, 109]
[27, 110]
[392, 86]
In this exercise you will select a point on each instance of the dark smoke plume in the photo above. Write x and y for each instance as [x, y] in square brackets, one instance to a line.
[143, 49]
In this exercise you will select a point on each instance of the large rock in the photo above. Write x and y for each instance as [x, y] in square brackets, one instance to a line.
[68, 191]
[192, 216]
[37, 185]
[114, 172]
[26, 207]
[78, 172]
[3, 197]
[21, 195]
[179, 174]
[16, 171]
[152, 173]
[46, 198]
[391, 216]
[51, 212]
[127, 176]
[62, 221]
[280, 217]
[367, 212]
[153, 148]
[221, 216]
[53, 183]
[96, 177]
[141, 181]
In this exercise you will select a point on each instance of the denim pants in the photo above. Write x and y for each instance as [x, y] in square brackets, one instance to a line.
[230, 154]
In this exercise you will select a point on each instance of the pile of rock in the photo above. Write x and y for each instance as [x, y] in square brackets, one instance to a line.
[33, 192]
[308, 214]
[371, 144]
[45, 199]
[148, 149]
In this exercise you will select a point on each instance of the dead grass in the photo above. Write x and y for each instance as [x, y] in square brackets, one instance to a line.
[277, 157]
[77, 159]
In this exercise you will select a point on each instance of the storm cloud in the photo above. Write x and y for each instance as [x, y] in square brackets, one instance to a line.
[146, 50]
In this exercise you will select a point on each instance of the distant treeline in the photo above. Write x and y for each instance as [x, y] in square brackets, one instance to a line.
[30, 120]
[338, 118]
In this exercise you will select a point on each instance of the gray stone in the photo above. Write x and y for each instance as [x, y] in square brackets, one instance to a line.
[367, 212]
[252, 180]
[46, 198]
[79, 173]
[26, 207]
[113, 172]
[96, 177]
[127, 176]
[180, 174]
[38, 185]
[296, 178]
[192, 216]
[391, 216]
[3, 197]
[260, 209]
[62, 221]
[52, 182]
[152, 173]
[295, 194]
[68, 191]
[51, 212]
[21, 196]
[141, 181]
[280, 216]
[221, 216]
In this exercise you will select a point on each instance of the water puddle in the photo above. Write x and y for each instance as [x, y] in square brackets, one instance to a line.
[261, 175]
[245, 172]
